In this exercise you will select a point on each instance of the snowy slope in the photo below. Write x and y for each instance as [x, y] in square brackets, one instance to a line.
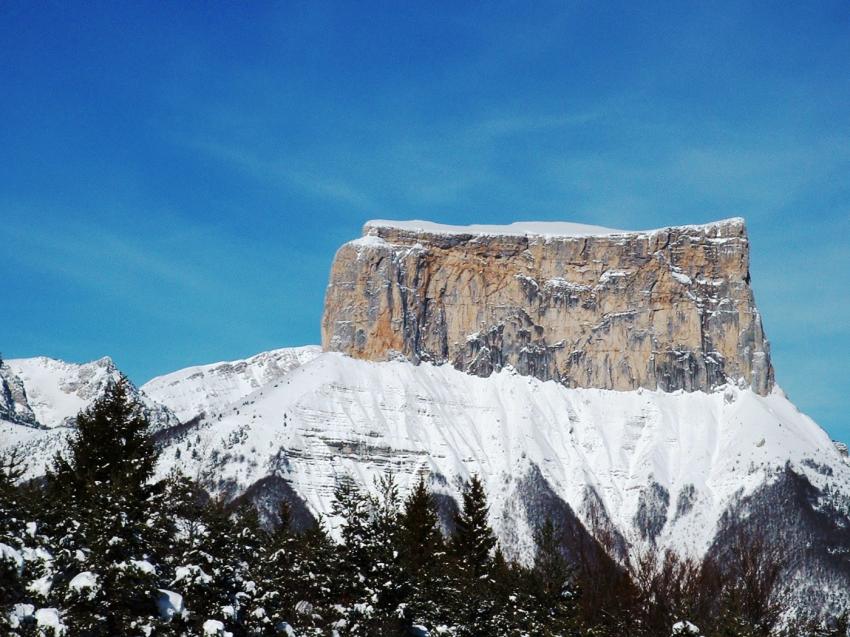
[336, 415]
[653, 468]
[656, 461]
[206, 389]
[55, 391]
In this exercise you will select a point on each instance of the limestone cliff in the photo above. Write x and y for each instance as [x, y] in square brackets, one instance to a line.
[590, 307]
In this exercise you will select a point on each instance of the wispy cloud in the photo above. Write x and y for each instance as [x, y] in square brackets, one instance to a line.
[515, 124]
[283, 173]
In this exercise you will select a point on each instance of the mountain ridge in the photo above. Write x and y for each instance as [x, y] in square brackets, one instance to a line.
[712, 446]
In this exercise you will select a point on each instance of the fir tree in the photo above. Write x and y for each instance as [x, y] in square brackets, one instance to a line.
[12, 531]
[391, 581]
[472, 547]
[419, 534]
[110, 452]
[424, 557]
[209, 571]
[473, 541]
[103, 503]
[277, 591]
[249, 538]
[352, 506]
[13, 508]
[373, 585]
[314, 576]
[551, 587]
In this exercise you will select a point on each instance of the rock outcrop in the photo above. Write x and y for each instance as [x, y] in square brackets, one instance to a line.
[590, 307]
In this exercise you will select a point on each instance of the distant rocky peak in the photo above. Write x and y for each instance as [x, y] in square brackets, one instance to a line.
[51, 392]
[590, 307]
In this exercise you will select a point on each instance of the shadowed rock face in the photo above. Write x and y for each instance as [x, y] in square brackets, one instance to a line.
[668, 309]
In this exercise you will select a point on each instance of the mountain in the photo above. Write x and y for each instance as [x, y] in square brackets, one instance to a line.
[590, 307]
[46, 392]
[40, 398]
[207, 389]
[618, 382]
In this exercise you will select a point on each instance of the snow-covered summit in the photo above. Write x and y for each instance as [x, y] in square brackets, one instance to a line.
[53, 391]
[526, 228]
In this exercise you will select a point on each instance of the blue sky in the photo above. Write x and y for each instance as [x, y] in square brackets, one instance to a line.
[177, 176]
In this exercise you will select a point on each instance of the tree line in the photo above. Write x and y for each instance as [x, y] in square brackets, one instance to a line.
[99, 548]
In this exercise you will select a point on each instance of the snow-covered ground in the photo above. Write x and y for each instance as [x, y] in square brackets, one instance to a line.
[208, 388]
[683, 457]
[523, 228]
[335, 416]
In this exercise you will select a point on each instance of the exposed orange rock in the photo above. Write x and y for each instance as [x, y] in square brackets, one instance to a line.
[669, 309]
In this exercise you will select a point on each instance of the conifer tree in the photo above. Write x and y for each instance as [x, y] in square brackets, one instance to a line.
[472, 547]
[374, 586]
[216, 566]
[391, 581]
[275, 599]
[505, 609]
[14, 509]
[12, 528]
[294, 579]
[241, 565]
[102, 500]
[424, 557]
[554, 596]
[110, 452]
[420, 535]
[355, 592]
[315, 577]
[473, 541]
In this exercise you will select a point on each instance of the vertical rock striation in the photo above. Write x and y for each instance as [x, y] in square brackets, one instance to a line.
[590, 307]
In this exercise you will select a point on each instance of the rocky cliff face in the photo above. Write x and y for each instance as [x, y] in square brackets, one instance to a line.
[13, 398]
[590, 307]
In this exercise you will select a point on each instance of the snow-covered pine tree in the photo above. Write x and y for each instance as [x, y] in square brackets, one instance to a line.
[12, 504]
[472, 547]
[245, 615]
[473, 541]
[207, 569]
[509, 604]
[279, 587]
[356, 557]
[552, 593]
[373, 584]
[102, 501]
[391, 580]
[13, 579]
[315, 575]
[424, 557]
